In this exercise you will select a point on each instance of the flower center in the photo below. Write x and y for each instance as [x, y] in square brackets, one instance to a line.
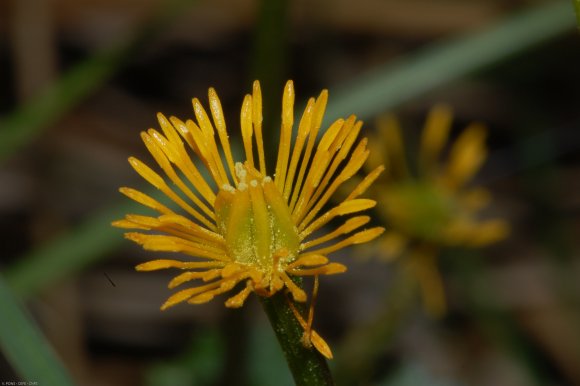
[256, 223]
[420, 208]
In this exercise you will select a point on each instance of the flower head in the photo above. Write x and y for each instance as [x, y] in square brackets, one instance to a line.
[241, 225]
[433, 206]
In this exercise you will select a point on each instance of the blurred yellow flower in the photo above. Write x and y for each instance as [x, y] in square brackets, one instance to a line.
[241, 225]
[434, 206]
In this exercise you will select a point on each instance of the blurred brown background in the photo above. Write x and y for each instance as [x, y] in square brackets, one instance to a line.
[103, 319]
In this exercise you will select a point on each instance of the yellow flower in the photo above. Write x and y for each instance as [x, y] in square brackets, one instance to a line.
[243, 226]
[433, 206]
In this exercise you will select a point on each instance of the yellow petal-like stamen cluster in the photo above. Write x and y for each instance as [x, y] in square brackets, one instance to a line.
[251, 228]
[433, 207]
[436, 205]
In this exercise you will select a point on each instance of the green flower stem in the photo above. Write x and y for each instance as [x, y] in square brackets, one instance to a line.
[307, 365]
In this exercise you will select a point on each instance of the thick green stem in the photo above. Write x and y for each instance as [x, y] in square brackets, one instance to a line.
[307, 365]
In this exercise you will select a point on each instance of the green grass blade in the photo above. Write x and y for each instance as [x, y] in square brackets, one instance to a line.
[26, 123]
[24, 345]
[439, 64]
[22, 126]
[68, 253]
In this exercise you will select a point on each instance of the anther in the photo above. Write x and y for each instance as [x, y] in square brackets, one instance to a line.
[228, 188]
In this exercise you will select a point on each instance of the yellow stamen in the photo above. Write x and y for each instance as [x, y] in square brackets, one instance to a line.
[238, 300]
[257, 121]
[350, 225]
[355, 162]
[184, 132]
[434, 136]
[165, 243]
[321, 159]
[145, 200]
[247, 129]
[154, 179]
[392, 138]
[155, 265]
[422, 264]
[163, 162]
[467, 155]
[343, 149]
[192, 275]
[192, 228]
[297, 293]
[307, 261]
[175, 152]
[366, 182]
[147, 221]
[207, 155]
[328, 269]
[475, 199]
[490, 231]
[220, 123]
[314, 339]
[285, 135]
[318, 114]
[209, 138]
[358, 238]
[344, 208]
[303, 130]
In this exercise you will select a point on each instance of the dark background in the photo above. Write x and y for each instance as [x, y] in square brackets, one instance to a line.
[115, 64]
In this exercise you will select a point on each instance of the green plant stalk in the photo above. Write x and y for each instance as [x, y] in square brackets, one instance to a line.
[24, 345]
[307, 365]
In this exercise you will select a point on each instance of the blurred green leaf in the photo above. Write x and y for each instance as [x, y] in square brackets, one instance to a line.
[69, 252]
[25, 124]
[415, 375]
[24, 345]
[200, 365]
[577, 8]
[439, 64]
[356, 357]
[266, 364]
